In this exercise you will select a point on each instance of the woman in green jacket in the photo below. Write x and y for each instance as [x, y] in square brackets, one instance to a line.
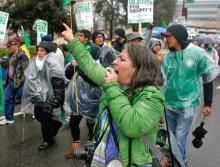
[131, 95]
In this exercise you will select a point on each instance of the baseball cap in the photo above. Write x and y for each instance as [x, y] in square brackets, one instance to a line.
[173, 29]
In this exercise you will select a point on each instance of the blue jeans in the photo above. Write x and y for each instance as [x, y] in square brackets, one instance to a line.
[180, 122]
[10, 94]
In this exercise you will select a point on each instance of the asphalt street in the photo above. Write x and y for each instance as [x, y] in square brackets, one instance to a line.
[16, 153]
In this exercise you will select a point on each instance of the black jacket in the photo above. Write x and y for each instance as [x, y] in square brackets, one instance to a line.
[57, 100]
[70, 68]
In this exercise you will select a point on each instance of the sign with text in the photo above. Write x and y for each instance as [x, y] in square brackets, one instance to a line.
[84, 15]
[3, 25]
[140, 11]
[41, 26]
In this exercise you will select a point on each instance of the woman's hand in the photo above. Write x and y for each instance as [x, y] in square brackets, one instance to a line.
[68, 33]
[111, 75]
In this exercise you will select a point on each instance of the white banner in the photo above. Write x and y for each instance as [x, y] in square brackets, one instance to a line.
[3, 25]
[84, 15]
[41, 26]
[140, 11]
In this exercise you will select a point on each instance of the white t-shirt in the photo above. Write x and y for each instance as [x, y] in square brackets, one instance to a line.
[40, 63]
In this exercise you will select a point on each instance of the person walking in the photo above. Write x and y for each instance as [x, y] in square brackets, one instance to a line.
[16, 64]
[83, 96]
[45, 88]
[182, 69]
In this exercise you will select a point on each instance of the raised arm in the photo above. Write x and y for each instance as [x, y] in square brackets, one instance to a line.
[83, 58]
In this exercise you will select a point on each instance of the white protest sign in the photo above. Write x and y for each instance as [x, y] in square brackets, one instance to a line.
[84, 15]
[3, 25]
[41, 26]
[140, 11]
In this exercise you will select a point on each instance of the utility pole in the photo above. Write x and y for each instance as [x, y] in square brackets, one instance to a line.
[184, 10]
[73, 25]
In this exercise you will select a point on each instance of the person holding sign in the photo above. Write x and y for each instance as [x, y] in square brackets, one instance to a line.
[84, 94]
[131, 98]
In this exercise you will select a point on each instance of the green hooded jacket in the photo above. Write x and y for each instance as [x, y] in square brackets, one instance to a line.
[134, 118]
[182, 71]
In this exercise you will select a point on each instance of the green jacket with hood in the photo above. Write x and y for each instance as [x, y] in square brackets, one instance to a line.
[134, 118]
[182, 71]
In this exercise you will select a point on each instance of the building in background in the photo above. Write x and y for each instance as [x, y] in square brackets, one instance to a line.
[203, 16]
[200, 10]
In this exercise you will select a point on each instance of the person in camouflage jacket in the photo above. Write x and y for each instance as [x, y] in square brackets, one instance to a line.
[16, 64]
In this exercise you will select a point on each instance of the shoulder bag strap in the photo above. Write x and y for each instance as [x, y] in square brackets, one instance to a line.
[100, 139]
[155, 150]
[129, 151]
[113, 131]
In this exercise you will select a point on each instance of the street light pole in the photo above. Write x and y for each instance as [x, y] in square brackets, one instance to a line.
[73, 20]
[184, 10]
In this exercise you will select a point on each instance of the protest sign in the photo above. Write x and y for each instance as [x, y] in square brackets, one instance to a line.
[84, 15]
[3, 25]
[41, 26]
[140, 11]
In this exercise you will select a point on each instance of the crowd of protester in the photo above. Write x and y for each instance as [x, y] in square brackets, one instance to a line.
[121, 90]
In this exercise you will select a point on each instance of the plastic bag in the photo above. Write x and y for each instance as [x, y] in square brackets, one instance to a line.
[88, 98]
[107, 56]
[88, 93]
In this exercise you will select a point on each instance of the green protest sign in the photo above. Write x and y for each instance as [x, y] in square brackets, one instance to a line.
[3, 25]
[41, 26]
[66, 2]
[84, 15]
[140, 11]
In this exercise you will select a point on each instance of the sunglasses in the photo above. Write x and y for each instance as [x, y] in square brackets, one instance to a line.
[81, 35]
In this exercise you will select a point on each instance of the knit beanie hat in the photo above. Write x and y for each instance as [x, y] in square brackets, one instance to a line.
[48, 46]
[47, 38]
[120, 32]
